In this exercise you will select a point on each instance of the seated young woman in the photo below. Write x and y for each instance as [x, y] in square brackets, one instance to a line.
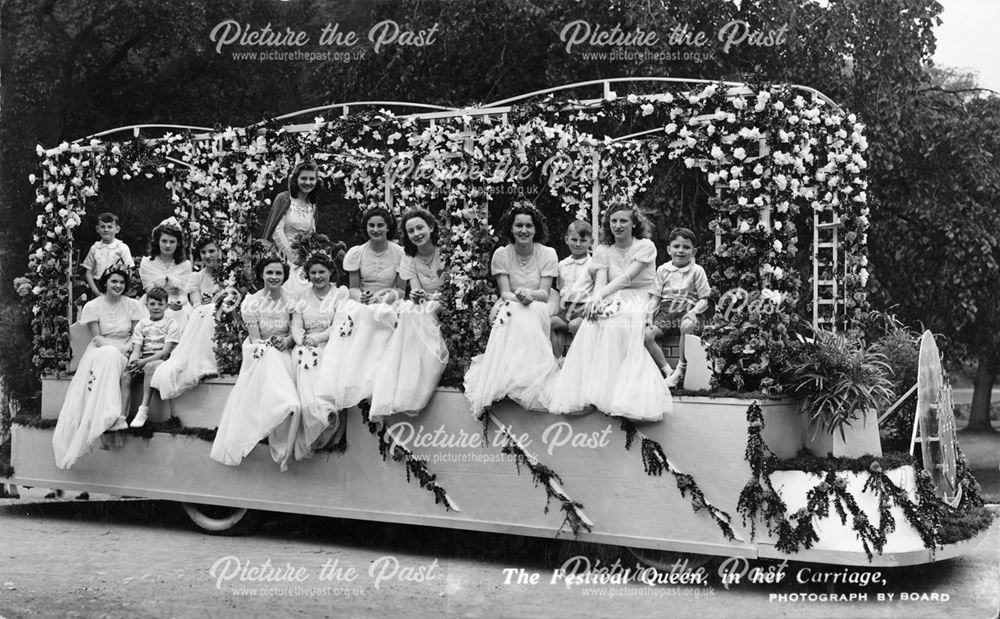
[168, 267]
[194, 357]
[264, 394]
[518, 362]
[607, 366]
[95, 402]
[318, 422]
[365, 324]
[416, 355]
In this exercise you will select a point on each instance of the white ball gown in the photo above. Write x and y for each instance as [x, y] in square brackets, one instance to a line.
[174, 278]
[194, 357]
[360, 332]
[416, 355]
[317, 421]
[607, 365]
[518, 362]
[94, 399]
[264, 394]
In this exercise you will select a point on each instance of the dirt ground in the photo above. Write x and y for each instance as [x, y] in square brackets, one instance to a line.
[139, 559]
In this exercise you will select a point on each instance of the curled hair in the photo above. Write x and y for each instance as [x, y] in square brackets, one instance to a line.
[204, 242]
[102, 283]
[258, 269]
[378, 211]
[323, 259]
[524, 207]
[640, 225]
[159, 293]
[683, 233]
[177, 233]
[408, 247]
[293, 180]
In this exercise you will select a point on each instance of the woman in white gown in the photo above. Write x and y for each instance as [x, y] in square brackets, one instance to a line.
[518, 362]
[94, 402]
[264, 394]
[416, 355]
[318, 422]
[292, 214]
[194, 357]
[168, 267]
[607, 365]
[366, 320]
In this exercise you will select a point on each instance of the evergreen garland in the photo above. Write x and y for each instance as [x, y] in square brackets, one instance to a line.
[928, 515]
[548, 479]
[654, 461]
[414, 467]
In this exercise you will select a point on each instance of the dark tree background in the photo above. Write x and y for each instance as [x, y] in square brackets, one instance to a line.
[76, 67]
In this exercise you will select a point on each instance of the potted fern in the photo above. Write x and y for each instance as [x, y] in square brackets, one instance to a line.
[843, 384]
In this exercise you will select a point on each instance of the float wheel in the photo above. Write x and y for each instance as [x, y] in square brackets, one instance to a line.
[219, 519]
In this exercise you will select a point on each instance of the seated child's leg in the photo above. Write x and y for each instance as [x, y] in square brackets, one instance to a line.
[147, 379]
[688, 327]
[557, 323]
[126, 388]
[574, 325]
[649, 339]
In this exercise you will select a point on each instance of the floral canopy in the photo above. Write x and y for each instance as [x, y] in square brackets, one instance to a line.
[771, 152]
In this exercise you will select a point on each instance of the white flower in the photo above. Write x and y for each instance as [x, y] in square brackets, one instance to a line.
[778, 105]
[717, 152]
[740, 153]
[739, 103]
[58, 229]
[647, 108]
[744, 226]
[759, 201]
[863, 274]
[781, 181]
[611, 95]
[778, 274]
[758, 169]
[32, 179]
[632, 99]
[72, 221]
[689, 162]
[777, 246]
[778, 225]
[734, 185]
[672, 127]
[755, 183]
[113, 171]
[782, 207]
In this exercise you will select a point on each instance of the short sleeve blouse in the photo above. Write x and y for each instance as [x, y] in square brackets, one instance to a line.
[378, 272]
[201, 283]
[114, 321]
[543, 263]
[428, 275]
[273, 317]
[616, 263]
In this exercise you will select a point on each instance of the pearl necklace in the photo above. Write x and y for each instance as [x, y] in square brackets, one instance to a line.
[429, 260]
[526, 260]
[378, 254]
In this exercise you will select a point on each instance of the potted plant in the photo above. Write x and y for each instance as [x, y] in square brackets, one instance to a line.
[842, 381]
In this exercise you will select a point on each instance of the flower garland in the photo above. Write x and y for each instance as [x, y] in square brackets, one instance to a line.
[414, 467]
[769, 152]
[760, 501]
[654, 461]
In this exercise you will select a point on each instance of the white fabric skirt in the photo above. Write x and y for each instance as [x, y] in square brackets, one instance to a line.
[518, 362]
[194, 357]
[93, 403]
[352, 357]
[412, 364]
[263, 397]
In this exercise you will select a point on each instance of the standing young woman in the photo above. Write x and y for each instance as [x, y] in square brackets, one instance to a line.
[312, 320]
[167, 266]
[194, 357]
[264, 394]
[518, 362]
[94, 402]
[607, 365]
[292, 214]
[416, 355]
[367, 319]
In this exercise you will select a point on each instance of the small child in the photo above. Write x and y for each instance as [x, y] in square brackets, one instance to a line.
[152, 341]
[574, 282]
[679, 295]
[106, 252]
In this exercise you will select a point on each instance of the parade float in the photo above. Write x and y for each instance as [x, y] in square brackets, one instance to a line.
[772, 448]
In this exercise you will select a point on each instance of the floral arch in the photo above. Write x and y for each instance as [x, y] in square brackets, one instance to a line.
[773, 153]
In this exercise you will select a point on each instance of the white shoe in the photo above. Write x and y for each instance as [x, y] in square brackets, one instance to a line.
[675, 377]
[119, 424]
[140, 417]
